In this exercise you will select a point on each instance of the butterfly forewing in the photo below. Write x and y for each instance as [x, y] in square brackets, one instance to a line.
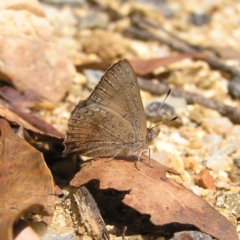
[118, 89]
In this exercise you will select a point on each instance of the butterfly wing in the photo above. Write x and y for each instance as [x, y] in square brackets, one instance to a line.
[95, 131]
[111, 119]
[118, 89]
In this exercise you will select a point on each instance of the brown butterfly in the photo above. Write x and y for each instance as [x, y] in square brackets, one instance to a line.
[111, 121]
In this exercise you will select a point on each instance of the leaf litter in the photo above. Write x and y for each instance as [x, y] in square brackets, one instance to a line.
[163, 199]
[26, 182]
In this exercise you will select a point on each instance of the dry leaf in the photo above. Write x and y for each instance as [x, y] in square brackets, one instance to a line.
[18, 101]
[39, 135]
[166, 201]
[146, 66]
[26, 184]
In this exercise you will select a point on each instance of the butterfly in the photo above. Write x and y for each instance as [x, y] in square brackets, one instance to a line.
[111, 121]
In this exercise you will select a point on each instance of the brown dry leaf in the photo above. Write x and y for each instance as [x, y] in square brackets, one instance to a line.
[46, 132]
[93, 65]
[18, 101]
[226, 52]
[26, 183]
[146, 66]
[13, 118]
[166, 201]
[142, 66]
[40, 124]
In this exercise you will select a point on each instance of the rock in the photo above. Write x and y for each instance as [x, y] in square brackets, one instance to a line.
[161, 157]
[30, 57]
[205, 179]
[93, 77]
[94, 19]
[219, 162]
[29, 5]
[196, 189]
[234, 173]
[234, 88]
[232, 200]
[199, 19]
[233, 135]
[229, 201]
[219, 125]
[198, 113]
[190, 162]
[211, 143]
[191, 235]
[109, 48]
[62, 2]
[164, 114]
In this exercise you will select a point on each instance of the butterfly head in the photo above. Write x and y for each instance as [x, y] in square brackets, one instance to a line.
[152, 133]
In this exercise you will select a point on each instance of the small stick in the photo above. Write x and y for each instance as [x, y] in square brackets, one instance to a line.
[182, 46]
[233, 113]
[124, 232]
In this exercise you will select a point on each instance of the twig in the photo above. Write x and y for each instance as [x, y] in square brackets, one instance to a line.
[233, 113]
[124, 232]
[177, 44]
[144, 23]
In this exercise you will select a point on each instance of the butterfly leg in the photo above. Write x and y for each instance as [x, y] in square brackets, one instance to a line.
[148, 156]
[139, 157]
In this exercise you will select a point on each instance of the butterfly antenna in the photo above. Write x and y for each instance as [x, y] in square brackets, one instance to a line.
[173, 119]
[168, 93]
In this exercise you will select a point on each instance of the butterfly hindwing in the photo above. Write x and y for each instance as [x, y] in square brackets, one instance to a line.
[95, 126]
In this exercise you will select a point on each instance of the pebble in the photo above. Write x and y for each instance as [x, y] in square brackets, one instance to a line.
[198, 113]
[233, 135]
[167, 111]
[218, 163]
[219, 125]
[94, 19]
[188, 235]
[199, 191]
[229, 201]
[93, 77]
[234, 173]
[221, 160]
[158, 112]
[211, 143]
[161, 157]
[199, 19]
[205, 179]
[234, 88]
